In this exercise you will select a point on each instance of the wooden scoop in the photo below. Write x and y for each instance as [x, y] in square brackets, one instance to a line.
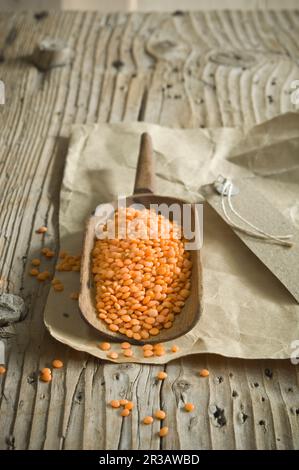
[143, 194]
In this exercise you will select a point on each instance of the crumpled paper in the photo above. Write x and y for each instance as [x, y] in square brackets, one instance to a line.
[247, 312]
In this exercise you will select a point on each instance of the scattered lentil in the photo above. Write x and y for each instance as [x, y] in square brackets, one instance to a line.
[115, 403]
[42, 230]
[163, 431]
[35, 262]
[148, 353]
[34, 272]
[189, 407]
[160, 414]
[58, 287]
[112, 355]
[129, 405]
[147, 346]
[161, 375]
[123, 401]
[46, 377]
[43, 276]
[128, 353]
[148, 420]
[46, 374]
[204, 373]
[57, 364]
[105, 346]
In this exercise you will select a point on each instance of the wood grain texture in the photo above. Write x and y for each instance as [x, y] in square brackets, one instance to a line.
[202, 69]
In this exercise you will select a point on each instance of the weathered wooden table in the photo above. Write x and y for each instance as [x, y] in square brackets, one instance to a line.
[199, 69]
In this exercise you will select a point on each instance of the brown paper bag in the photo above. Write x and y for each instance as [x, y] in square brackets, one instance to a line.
[247, 312]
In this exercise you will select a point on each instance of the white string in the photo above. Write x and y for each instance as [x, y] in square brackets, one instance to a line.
[258, 233]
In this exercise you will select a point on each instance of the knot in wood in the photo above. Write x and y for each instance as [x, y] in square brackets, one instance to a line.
[51, 52]
[233, 58]
[183, 385]
[165, 45]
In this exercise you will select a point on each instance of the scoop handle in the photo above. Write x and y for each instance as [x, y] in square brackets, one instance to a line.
[145, 173]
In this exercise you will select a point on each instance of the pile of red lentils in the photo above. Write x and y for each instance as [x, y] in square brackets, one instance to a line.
[143, 281]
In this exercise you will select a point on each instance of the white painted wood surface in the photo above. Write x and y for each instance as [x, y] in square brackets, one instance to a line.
[199, 69]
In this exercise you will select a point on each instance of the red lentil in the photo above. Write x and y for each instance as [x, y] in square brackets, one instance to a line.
[189, 407]
[105, 346]
[161, 375]
[42, 230]
[163, 431]
[148, 420]
[115, 403]
[129, 405]
[160, 414]
[57, 364]
[35, 262]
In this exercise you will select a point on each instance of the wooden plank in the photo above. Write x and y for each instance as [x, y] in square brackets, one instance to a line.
[121, 72]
